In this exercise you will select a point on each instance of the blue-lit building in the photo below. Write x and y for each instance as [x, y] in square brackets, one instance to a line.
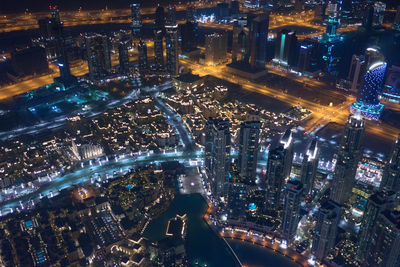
[136, 19]
[368, 100]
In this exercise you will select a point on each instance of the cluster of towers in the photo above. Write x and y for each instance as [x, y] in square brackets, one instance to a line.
[231, 184]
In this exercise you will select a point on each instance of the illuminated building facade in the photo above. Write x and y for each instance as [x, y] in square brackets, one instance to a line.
[98, 56]
[136, 19]
[333, 14]
[368, 102]
[396, 23]
[391, 90]
[377, 203]
[171, 41]
[293, 195]
[237, 196]
[347, 159]
[217, 154]
[123, 56]
[355, 72]
[309, 167]
[258, 33]
[143, 61]
[159, 49]
[391, 173]
[216, 49]
[326, 229]
[384, 247]
[240, 39]
[286, 48]
[248, 150]
[279, 166]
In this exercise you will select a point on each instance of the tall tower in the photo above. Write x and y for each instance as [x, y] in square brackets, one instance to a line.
[136, 19]
[286, 48]
[123, 54]
[248, 149]
[368, 99]
[258, 41]
[143, 61]
[377, 203]
[333, 14]
[391, 173]
[355, 72]
[159, 22]
[328, 217]
[217, 154]
[171, 40]
[384, 247]
[396, 23]
[216, 48]
[98, 56]
[240, 42]
[158, 49]
[309, 167]
[293, 195]
[278, 169]
[347, 159]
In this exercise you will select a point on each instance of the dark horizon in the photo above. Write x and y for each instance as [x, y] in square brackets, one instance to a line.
[9, 6]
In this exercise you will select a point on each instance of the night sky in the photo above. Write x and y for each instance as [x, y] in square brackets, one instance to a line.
[12, 6]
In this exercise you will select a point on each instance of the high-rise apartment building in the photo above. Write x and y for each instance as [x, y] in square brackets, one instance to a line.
[384, 247]
[98, 56]
[123, 55]
[286, 48]
[217, 154]
[248, 150]
[258, 34]
[143, 61]
[136, 19]
[278, 170]
[377, 203]
[326, 228]
[391, 172]
[293, 195]
[216, 49]
[158, 49]
[309, 167]
[347, 159]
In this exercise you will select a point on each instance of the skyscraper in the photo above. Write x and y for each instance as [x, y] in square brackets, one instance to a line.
[248, 150]
[216, 48]
[368, 99]
[143, 61]
[258, 32]
[384, 248]
[217, 154]
[158, 49]
[171, 16]
[278, 169]
[189, 33]
[191, 14]
[136, 19]
[377, 203]
[347, 159]
[333, 14]
[240, 42]
[123, 55]
[293, 195]
[396, 23]
[237, 196]
[355, 73]
[52, 31]
[171, 41]
[391, 173]
[98, 56]
[159, 22]
[326, 228]
[379, 13]
[286, 48]
[309, 167]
